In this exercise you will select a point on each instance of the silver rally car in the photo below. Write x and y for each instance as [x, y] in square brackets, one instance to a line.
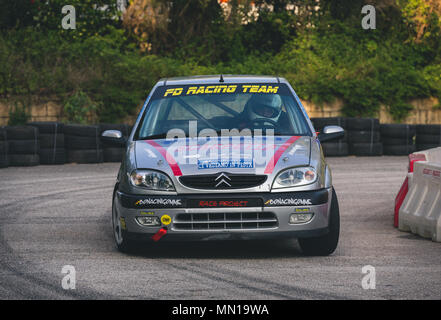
[225, 157]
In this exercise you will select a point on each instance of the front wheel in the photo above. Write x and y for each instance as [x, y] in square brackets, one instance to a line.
[123, 244]
[324, 245]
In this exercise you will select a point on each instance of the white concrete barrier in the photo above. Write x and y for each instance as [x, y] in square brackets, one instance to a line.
[420, 212]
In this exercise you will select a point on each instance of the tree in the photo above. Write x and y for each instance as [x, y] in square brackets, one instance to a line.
[422, 17]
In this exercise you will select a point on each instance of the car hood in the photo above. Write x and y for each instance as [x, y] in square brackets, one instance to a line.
[250, 155]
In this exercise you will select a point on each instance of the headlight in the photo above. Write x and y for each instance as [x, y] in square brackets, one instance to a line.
[152, 180]
[295, 177]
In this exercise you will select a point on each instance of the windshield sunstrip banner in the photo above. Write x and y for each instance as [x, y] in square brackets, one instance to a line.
[197, 90]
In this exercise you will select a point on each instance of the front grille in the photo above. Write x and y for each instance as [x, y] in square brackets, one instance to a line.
[225, 221]
[214, 181]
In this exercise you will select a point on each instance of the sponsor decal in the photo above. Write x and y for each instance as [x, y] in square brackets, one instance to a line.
[302, 210]
[433, 173]
[288, 202]
[159, 201]
[223, 203]
[216, 89]
[165, 219]
[122, 221]
[150, 212]
[218, 164]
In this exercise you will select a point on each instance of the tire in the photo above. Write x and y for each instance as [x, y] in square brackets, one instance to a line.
[24, 146]
[398, 150]
[421, 147]
[81, 130]
[364, 136]
[21, 133]
[387, 141]
[4, 147]
[432, 129]
[85, 156]
[335, 149]
[47, 156]
[48, 127]
[366, 149]
[81, 143]
[397, 130]
[324, 245]
[51, 140]
[3, 135]
[4, 161]
[362, 124]
[113, 154]
[122, 242]
[24, 160]
[320, 123]
[428, 139]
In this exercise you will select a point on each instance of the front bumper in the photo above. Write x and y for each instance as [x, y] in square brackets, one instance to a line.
[233, 213]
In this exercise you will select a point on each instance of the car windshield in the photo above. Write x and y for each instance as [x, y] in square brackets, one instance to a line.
[193, 108]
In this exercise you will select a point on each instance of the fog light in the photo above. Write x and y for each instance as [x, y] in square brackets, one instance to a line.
[296, 218]
[148, 221]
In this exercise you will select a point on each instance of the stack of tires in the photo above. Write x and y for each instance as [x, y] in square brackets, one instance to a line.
[110, 152]
[83, 143]
[398, 139]
[51, 138]
[364, 137]
[428, 136]
[334, 148]
[23, 145]
[4, 149]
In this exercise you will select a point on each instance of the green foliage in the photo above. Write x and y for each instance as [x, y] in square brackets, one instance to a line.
[92, 17]
[17, 13]
[103, 71]
[19, 115]
[78, 108]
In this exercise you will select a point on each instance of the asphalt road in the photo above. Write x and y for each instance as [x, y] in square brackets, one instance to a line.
[51, 216]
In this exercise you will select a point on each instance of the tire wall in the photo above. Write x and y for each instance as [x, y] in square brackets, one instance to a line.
[367, 137]
[83, 143]
[58, 143]
[23, 146]
[427, 136]
[52, 145]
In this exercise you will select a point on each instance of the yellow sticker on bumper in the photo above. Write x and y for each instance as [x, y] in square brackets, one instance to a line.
[165, 219]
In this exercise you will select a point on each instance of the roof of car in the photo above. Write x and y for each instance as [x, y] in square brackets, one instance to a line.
[215, 79]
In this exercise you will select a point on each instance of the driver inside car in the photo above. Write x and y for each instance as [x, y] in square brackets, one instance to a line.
[262, 111]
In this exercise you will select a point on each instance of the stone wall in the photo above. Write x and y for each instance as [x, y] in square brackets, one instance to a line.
[40, 110]
[424, 111]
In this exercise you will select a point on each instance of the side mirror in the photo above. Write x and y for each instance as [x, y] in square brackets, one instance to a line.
[331, 133]
[113, 137]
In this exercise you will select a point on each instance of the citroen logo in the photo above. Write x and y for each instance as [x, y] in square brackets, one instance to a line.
[222, 179]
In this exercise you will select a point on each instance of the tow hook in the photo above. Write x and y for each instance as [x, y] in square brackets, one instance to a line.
[158, 235]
